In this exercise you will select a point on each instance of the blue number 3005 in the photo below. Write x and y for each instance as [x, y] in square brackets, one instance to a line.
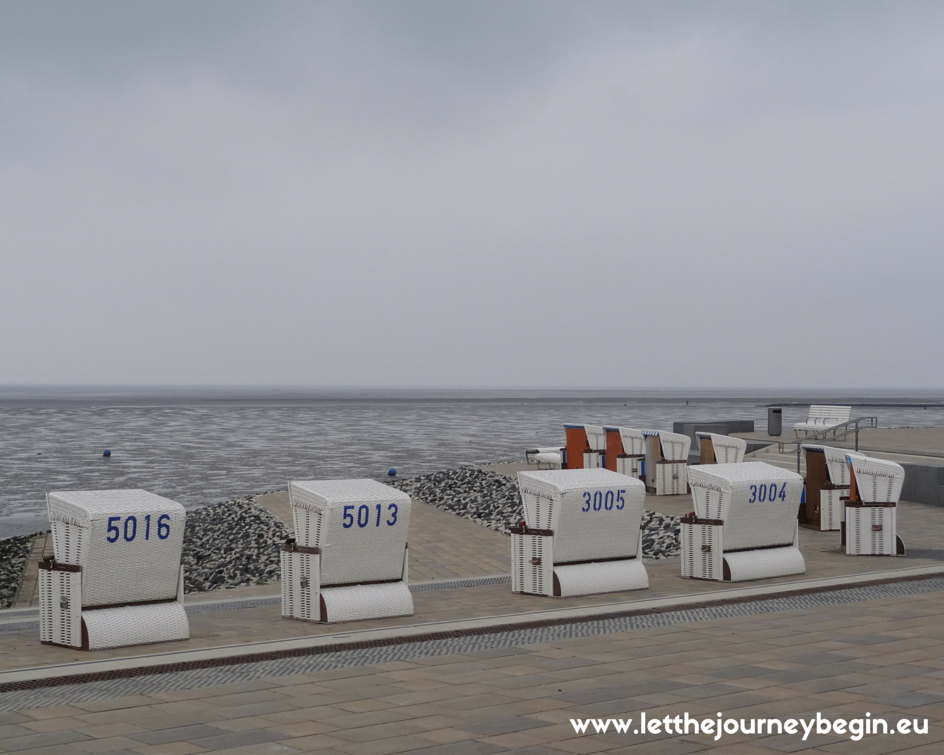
[600, 501]
[129, 531]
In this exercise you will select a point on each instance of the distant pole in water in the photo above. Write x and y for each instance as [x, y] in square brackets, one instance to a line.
[106, 452]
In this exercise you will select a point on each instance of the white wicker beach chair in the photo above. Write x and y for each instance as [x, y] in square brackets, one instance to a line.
[115, 578]
[580, 534]
[585, 447]
[870, 523]
[745, 523]
[625, 450]
[827, 484]
[349, 558]
[721, 449]
[666, 462]
[821, 417]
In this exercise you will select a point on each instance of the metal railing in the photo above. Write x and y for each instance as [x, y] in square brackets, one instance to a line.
[834, 432]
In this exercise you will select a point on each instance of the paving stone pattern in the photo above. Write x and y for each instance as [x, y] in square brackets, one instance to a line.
[879, 656]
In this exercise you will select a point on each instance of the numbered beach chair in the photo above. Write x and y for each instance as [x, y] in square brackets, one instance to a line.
[580, 534]
[115, 577]
[349, 558]
[744, 525]
[870, 523]
[720, 449]
[827, 485]
[666, 471]
[625, 450]
[585, 447]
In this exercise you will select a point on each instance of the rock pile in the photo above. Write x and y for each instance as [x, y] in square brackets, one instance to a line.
[493, 501]
[14, 553]
[231, 544]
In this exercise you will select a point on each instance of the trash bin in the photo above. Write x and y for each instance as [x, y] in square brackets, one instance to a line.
[774, 420]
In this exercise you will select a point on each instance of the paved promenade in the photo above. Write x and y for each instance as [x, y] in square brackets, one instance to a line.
[480, 670]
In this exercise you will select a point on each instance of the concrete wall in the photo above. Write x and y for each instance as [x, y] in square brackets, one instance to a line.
[923, 484]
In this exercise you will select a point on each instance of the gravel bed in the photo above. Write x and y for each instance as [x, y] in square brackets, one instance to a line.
[231, 544]
[14, 553]
[493, 500]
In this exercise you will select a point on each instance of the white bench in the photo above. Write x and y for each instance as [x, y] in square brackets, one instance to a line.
[720, 449]
[349, 559]
[822, 417]
[745, 523]
[666, 462]
[115, 578]
[549, 455]
[580, 534]
[870, 522]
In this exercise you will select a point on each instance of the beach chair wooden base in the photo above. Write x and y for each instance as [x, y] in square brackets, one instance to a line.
[64, 622]
[703, 555]
[533, 571]
[306, 599]
[871, 530]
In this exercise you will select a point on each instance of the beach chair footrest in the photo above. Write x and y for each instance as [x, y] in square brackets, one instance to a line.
[600, 577]
[359, 602]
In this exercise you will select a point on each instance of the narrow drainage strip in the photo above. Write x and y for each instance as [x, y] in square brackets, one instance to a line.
[208, 673]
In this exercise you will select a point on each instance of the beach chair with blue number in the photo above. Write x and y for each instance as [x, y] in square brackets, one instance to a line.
[580, 534]
[745, 523]
[115, 577]
[349, 558]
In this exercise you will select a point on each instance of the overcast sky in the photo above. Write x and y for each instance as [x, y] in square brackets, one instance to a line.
[453, 194]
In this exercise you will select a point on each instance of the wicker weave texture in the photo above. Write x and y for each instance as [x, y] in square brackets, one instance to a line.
[765, 563]
[601, 577]
[831, 508]
[734, 494]
[592, 460]
[136, 625]
[594, 513]
[634, 442]
[871, 530]
[361, 527]
[701, 550]
[675, 447]
[358, 602]
[877, 480]
[629, 466]
[532, 564]
[728, 450]
[60, 610]
[300, 585]
[671, 479]
[128, 543]
[596, 437]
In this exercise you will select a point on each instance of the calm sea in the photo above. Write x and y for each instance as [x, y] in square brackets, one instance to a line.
[201, 446]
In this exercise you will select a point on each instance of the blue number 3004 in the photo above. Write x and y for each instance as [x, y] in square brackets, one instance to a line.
[761, 493]
[129, 531]
[600, 501]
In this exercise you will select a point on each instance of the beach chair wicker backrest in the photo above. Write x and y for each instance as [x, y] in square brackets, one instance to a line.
[675, 447]
[596, 437]
[728, 450]
[128, 543]
[837, 464]
[594, 513]
[877, 480]
[757, 502]
[360, 526]
[634, 442]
